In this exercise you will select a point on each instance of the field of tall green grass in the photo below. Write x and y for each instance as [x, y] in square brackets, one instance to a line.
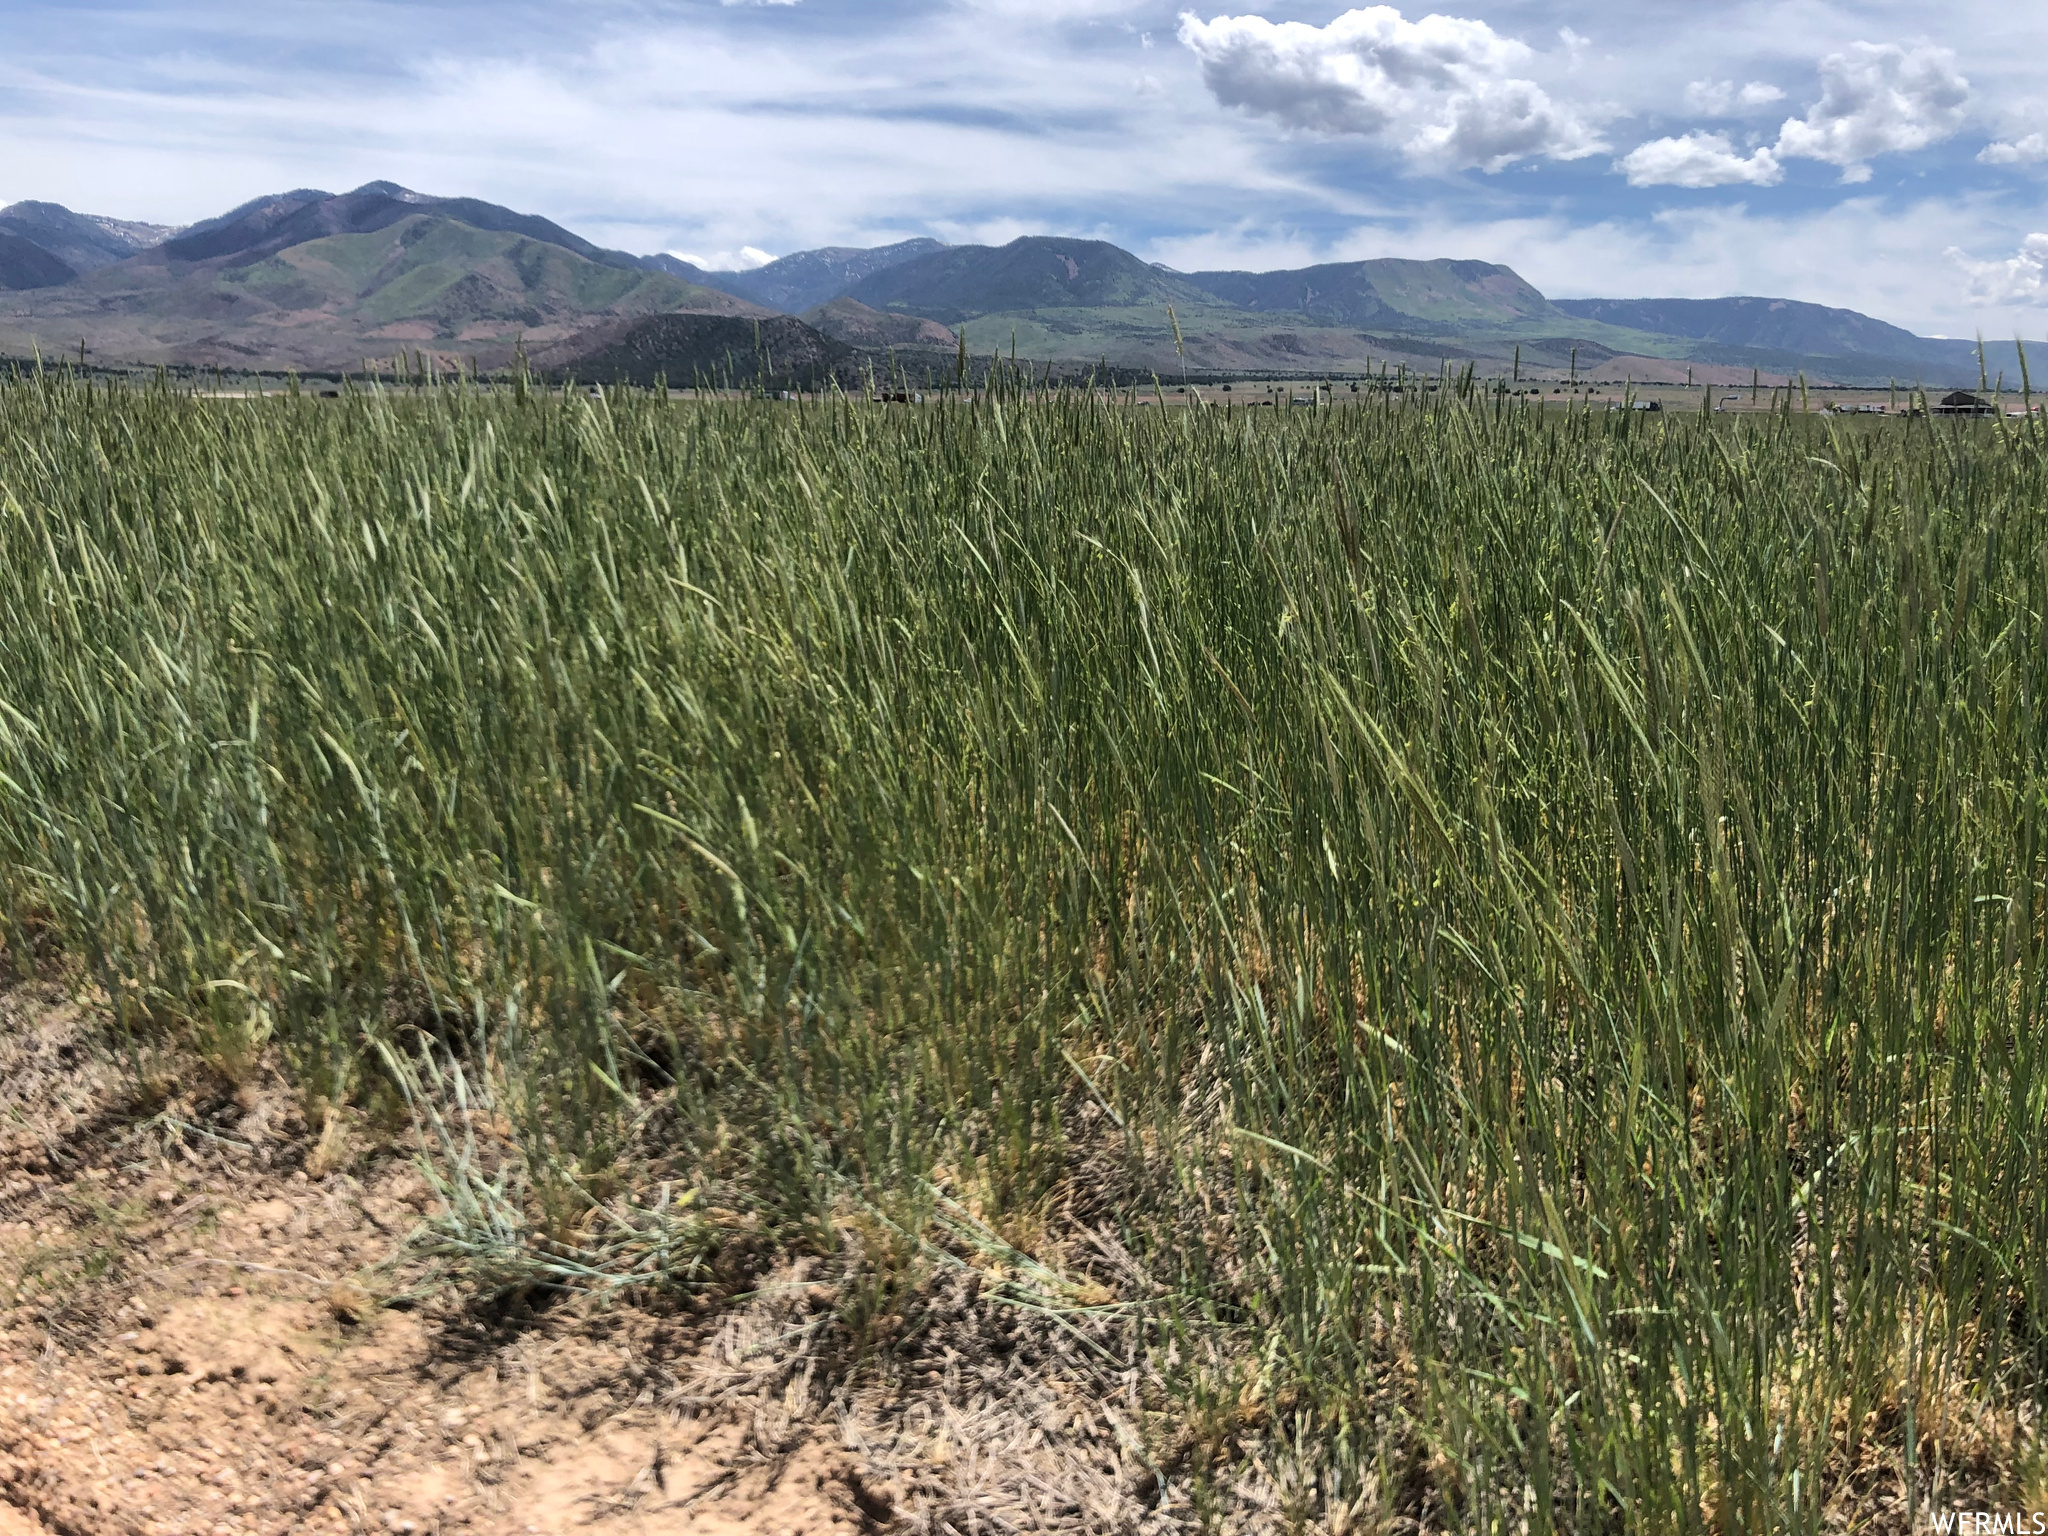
[1529, 927]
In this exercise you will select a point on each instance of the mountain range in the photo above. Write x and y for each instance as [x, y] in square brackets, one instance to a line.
[795, 283]
[316, 281]
[72, 242]
[310, 280]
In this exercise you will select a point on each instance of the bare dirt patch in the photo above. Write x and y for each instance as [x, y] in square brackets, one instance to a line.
[202, 1331]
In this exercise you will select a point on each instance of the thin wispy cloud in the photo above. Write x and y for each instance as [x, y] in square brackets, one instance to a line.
[1724, 98]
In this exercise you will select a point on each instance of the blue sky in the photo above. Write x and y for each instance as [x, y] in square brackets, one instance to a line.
[1885, 156]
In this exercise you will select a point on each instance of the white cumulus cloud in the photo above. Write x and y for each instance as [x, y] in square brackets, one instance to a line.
[1723, 98]
[1877, 98]
[1698, 160]
[2016, 151]
[1443, 91]
[2021, 278]
[745, 259]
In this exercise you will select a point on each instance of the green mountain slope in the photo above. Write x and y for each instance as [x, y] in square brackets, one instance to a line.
[431, 268]
[425, 280]
[857, 325]
[1422, 296]
[1778, 325]
[1080, 301]
[687, 350]
[274, 224]
[1031, 273]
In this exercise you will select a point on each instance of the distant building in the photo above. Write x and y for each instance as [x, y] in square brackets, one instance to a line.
[1962, 403]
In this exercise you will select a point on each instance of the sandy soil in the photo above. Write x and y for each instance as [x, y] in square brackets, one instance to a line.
[204, 1328]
